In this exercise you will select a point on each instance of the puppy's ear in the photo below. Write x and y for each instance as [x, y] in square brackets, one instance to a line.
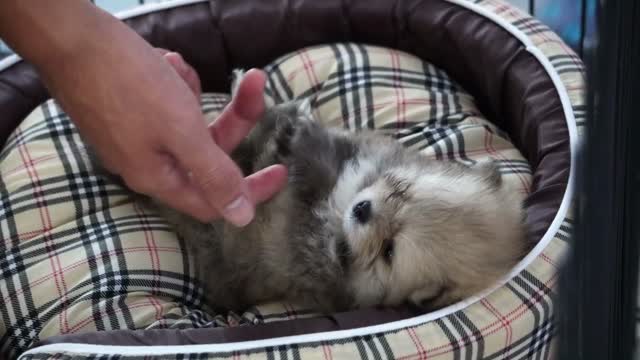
[489, 173]
[304, 108]
[297, 110]
[236, 78]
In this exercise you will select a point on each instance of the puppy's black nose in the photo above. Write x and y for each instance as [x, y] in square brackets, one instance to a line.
[362, 211]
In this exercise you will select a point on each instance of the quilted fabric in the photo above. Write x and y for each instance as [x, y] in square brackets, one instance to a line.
[81, 256]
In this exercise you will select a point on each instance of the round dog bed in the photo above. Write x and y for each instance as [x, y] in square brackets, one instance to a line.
[463, 61]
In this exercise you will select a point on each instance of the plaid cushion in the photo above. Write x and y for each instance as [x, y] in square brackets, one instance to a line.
[81, 256]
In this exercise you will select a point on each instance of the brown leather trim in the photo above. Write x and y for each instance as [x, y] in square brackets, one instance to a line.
[343, 321]
[20, 92]
[510, 85]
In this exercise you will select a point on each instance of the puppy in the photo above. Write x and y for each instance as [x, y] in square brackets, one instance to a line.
[362, 222]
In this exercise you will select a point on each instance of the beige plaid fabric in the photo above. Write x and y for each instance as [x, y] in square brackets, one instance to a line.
[81, 256]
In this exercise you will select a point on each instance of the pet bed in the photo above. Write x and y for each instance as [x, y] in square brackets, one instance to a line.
[87, 273]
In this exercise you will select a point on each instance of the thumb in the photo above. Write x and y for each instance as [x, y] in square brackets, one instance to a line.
[221, 182]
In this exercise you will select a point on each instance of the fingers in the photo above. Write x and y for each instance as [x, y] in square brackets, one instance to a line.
[169, 184]
[199, 178]
[241, 115]
[220, 180]
[186, 72]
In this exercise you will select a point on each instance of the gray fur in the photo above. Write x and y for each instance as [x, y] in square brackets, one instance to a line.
[451, 230]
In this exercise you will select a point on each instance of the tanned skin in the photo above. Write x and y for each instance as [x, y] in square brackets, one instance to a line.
[137, 109]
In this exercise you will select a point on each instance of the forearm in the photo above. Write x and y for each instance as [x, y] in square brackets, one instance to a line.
[51, 33]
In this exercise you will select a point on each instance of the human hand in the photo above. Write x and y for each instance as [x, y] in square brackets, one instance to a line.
[225, 125]
[140, 116]
[146, 125]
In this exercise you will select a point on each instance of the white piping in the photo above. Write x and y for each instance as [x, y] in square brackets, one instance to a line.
[153, 7]
[9, 61]
[391, 326]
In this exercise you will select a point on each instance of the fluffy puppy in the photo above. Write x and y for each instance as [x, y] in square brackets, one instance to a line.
[363, 221]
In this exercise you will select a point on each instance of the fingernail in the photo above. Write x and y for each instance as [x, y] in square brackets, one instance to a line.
[239, 212]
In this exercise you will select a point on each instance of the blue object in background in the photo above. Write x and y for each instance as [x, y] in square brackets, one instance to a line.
[564, 17]
[573, 20]
[114, 6]
[4, 50]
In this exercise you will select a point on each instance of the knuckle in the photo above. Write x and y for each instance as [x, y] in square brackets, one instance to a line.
[220, 182]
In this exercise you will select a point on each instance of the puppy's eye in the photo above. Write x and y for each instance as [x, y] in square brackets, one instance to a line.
[387, 251]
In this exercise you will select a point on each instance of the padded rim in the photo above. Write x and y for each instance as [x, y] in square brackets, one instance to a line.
[32, 83]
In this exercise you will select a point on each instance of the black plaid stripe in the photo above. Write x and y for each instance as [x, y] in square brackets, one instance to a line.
[444, 91]
[530, 26]
[525, 348]
[447, 329]
[513, 166]
[192, 291]
[447, 139]
[290, 352]
[39, 131]
[567, 64]
[85, 198]
[447, 142]
[580, 113]
[105, 287]
[192, 319]
[20, 308]
[349, 79]
[13, 262]
[213, 102]
[355, 76]
[364, 113]
[536, 297]
[474, 340]
[373, 346]
[282, 315]
[566, 230]
[32, 253]
[386, 77]
[466, 340]
[277, 87]
[22, 199]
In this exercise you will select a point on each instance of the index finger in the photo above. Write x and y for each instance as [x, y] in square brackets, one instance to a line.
[242, 113]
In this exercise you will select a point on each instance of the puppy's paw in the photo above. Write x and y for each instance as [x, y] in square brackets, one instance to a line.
[291, 119]
[489, 172]
[283, 138]
[236, 77]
